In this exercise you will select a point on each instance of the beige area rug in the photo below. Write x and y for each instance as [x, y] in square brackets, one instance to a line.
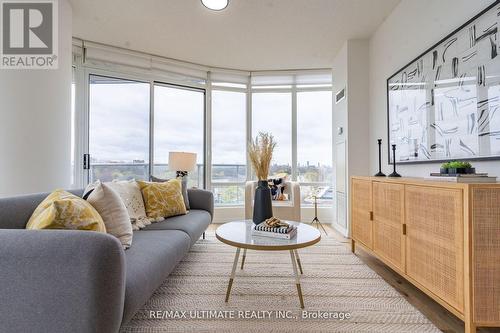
[335, 284]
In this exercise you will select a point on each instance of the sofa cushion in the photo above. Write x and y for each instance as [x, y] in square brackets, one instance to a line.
[64, 210]
[148, 263]
[193, 223]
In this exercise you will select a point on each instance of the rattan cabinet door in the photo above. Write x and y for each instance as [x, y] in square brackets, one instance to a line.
[486, 254]
[435, 241]
[388, 220]
[361, 206]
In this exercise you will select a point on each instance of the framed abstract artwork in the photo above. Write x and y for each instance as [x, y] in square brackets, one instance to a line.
[445, 104]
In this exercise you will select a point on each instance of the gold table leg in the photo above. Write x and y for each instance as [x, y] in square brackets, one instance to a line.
[295, 262]
[298, 261]
[235, 263]
[301, 299]
[297, 279]
[243, 258]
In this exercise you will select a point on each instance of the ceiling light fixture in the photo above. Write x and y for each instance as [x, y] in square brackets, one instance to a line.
[215, 4]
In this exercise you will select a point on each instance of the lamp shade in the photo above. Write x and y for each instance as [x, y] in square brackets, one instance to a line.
[181, 161]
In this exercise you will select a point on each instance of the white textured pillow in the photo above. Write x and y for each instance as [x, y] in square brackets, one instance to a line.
[110, 206]
[131, 195]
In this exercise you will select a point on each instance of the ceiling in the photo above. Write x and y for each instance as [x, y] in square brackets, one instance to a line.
[248, 34]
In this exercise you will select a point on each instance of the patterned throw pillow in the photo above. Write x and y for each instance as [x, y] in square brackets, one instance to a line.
[110, 206]
[63, 210]
[163, 199]
[131, 195]
[278, 187]
[184, 187]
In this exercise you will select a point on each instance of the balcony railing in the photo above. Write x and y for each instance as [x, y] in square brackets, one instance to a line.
[228, 180]
[127, 171]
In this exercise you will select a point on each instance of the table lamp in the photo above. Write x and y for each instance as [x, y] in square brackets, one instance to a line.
[181, 162]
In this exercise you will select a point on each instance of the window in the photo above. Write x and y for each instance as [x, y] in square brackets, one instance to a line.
[179, 122]
[272, 112]
[133, 125]
[118, 129]
[314, 146]
[314, 136]
[228, 147]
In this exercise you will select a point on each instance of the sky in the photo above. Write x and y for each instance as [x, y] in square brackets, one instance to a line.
[228, 127]
[119, 123]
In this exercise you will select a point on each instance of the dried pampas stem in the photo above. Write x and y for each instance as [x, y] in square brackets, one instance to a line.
[260, 153]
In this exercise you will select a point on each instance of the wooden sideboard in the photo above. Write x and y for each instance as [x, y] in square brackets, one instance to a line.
[443, 237]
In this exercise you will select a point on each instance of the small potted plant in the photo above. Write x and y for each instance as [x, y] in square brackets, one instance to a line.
[444, 168]
[457, 167]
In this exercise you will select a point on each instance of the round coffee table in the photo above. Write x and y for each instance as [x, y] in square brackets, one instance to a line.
[239, 235]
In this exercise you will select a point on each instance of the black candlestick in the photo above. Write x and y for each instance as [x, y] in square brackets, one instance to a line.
[394, 173]
[379, 173]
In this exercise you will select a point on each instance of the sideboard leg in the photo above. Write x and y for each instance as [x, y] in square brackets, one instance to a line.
[470, 327]
[353, 246]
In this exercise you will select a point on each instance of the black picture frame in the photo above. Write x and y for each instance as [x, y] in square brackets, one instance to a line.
[420, 56]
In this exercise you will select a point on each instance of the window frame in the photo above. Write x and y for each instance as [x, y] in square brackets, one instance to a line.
[83, 70]
[152, 124]
[294, 90]
[82, 116]
[84, 73]
[248, 132]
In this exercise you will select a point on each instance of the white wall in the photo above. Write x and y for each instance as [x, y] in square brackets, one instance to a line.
[340, 142]
[35, 119]
[412, 28]
[358, 107]
[351, 152]
[340, 109]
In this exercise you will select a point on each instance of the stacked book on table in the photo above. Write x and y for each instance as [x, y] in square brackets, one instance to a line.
[463, 178]
[287, 231]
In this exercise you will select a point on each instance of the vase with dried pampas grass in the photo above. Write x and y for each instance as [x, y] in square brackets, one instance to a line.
[260, 152]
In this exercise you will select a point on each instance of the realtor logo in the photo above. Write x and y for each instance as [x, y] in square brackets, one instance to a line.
[28, 34]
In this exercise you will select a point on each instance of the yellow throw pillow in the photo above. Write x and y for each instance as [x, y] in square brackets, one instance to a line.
[163, 199]
[63, 210]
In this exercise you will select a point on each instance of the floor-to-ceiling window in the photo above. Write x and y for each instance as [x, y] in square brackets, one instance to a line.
[314, 146]
[179, 124]
[133, 123]
[297, 110]
[272, 113]
[229, 171]
[118, 129]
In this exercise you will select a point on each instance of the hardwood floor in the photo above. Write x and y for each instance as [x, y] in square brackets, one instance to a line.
[438, 315]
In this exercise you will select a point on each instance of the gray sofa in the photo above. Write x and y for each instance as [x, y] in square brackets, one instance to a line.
[82, 281]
